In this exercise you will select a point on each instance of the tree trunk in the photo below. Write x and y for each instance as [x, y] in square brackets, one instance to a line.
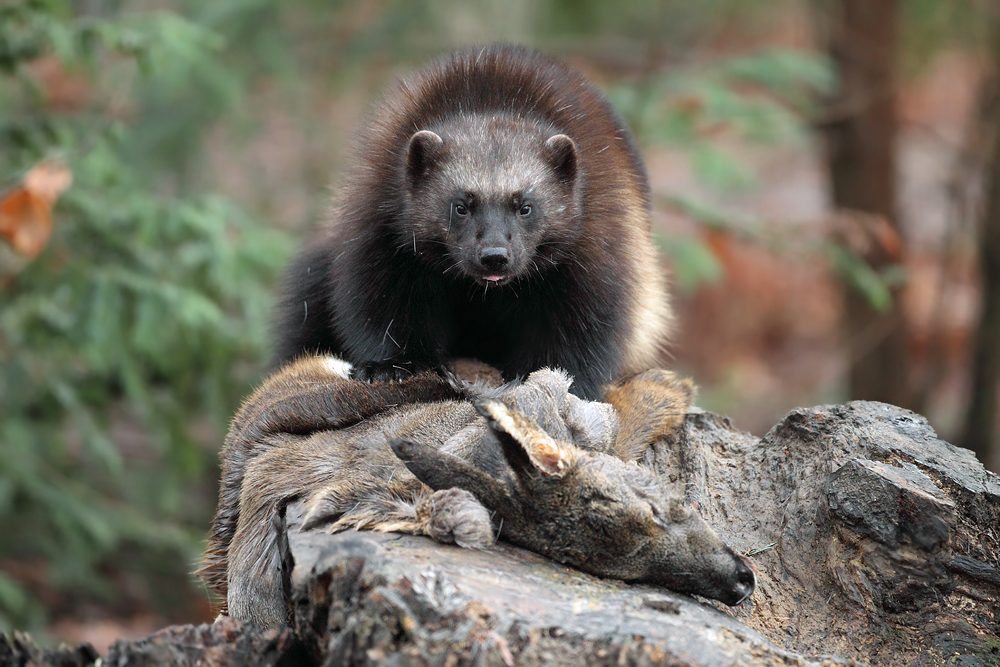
[981, 425]
[861, 143]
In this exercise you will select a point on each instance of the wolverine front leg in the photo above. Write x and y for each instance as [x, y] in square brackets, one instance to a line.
[391, 370]
[394, 345]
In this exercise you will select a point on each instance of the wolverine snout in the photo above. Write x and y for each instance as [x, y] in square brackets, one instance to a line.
[494, 259]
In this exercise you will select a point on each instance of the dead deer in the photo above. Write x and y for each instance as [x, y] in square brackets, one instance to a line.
[462, 463]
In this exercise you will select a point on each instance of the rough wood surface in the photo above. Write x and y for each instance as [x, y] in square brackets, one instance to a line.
[874, 541]
[221, 644]
[879, 541]
[20, 650]
[369, 598]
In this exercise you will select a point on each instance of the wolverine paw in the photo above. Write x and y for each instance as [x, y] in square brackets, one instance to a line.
[387, 371]
[455, 516]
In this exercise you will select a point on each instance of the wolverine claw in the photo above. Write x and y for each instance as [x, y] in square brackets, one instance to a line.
[387, 371]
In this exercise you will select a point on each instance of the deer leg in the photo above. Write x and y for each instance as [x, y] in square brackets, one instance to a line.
[455, 516]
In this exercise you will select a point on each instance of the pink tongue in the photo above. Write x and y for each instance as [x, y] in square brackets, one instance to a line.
[494, 278]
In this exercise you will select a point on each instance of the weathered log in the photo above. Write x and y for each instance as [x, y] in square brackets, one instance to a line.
[873, 540]
[373, 599]
[223, 643]
[20, 650]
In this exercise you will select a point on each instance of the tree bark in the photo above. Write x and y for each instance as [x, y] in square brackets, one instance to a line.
[861, 154]
[981, 424]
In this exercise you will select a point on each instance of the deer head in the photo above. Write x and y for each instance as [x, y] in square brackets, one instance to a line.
[580, 507]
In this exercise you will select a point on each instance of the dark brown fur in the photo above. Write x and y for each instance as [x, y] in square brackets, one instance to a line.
[497, 209]
[435, 457]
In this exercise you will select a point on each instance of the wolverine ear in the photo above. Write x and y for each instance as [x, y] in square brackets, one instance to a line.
[560, 151]
[526, 446]
[421, 154]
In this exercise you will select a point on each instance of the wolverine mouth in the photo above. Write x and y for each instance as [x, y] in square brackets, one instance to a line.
[494, 279]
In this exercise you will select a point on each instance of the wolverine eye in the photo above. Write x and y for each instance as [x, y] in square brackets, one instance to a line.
[524, 211]
[461, 210]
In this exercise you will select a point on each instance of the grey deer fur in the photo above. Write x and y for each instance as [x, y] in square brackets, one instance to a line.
[462, 463]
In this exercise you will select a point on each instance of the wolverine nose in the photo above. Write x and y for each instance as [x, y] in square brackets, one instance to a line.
[494, 259]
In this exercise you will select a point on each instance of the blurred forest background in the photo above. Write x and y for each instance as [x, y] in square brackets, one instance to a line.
[826, 196]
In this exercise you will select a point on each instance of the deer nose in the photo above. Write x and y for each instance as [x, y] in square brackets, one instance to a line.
[746, 579]
[495, 258]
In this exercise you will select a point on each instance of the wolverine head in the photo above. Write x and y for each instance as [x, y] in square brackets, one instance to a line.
[491, 198]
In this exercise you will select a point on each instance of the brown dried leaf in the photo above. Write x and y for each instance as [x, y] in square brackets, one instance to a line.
[26, 210]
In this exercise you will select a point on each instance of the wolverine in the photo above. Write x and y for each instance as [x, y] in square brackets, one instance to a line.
[497, 208]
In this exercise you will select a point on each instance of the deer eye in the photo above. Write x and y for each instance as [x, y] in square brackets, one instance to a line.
[604, 502]
[460, 209]
[658, 518]
[667, 513]
[524, 211]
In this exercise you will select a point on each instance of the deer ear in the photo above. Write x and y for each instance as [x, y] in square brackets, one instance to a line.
[422, 153]
[525, 445]
[560, 152]
[440, 470]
